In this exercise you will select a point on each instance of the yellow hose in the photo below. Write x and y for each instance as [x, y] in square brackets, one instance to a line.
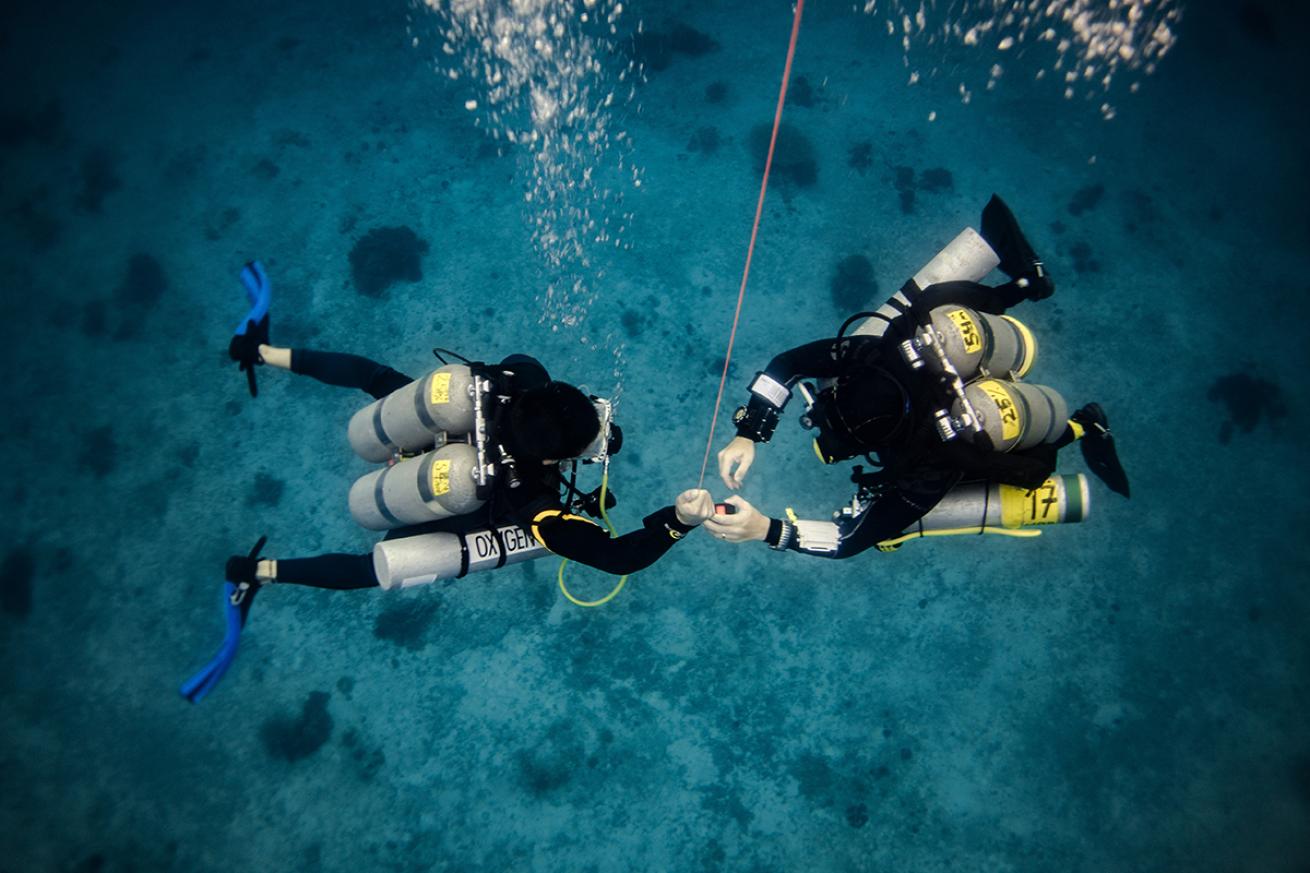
[604, 487]
[962, 531]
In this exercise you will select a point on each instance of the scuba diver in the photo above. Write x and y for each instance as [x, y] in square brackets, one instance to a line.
[927, 388]
[475, 478]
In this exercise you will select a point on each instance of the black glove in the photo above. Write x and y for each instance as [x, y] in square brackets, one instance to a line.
[244, 349]
[240, 570]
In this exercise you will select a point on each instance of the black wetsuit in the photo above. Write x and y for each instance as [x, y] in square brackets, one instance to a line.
[534, 506]
[918, 469]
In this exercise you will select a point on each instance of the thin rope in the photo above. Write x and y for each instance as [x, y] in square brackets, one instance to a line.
[755, 230]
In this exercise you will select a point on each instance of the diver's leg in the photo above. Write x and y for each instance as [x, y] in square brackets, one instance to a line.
[339, 572]
[336, 368]
[1018, 259]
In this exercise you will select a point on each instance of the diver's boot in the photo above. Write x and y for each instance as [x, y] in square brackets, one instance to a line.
[1018, 259]
[1098, 448]
[253, 330]
[243, 572]
[1037, 283]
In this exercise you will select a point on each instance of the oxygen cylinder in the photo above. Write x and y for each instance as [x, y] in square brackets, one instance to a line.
[409, 418]
[968, 257]
[1015, 415]
[977, 505]
[419, 560]
[434, 485]
[977, 341]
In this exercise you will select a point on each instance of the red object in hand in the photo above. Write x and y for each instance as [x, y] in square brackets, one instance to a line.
[724, 509]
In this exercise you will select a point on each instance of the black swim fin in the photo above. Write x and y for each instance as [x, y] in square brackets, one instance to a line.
[1018, 259]
[1098, 448]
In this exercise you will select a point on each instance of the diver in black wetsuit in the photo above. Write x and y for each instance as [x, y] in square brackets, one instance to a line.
[547, 421]
[879, 404]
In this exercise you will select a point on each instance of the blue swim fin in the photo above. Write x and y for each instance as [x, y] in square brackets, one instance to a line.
[258, 292]
[253, 329]
[237, 600]
[195, 688]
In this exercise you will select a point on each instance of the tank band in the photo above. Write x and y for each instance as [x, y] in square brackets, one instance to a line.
[378, 430]
[421, 407]
[988, 335]
[1073, 496]
[380, 500]
[1025, 419]
[1029, 343]
[463, 557]
[425, 478]
[499, 540]
[1050, 409]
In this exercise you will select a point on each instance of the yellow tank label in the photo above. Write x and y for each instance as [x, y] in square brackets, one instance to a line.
[968, 329]
[440, 477]
[1021, 507]
[439, 392]
[1005, 408]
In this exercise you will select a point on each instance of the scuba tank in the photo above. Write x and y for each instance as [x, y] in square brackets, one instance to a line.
[1004, 416]
[976, 505]
[434, 485]
[967, 257]
[442, 438]
[410, 418]
[973, 343]
[992, 508]
[426, 558]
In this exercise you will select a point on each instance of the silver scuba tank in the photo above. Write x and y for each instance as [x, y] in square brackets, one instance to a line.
[409, 418]
[419, 560]
[1012, 415]
[436, 484]
[978, 505]
[968, 257]
[975, 343]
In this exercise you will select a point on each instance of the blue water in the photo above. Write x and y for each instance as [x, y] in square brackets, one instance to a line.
[1124, 694]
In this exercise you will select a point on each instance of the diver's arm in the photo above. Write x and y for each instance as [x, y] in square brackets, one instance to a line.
[582, 540]
[747, 524]
[771, 388]
[888, 517]
[885, 518]
[770, 392]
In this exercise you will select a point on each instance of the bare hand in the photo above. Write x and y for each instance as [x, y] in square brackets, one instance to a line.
[694, 506]
[743, 526]
[740, 453]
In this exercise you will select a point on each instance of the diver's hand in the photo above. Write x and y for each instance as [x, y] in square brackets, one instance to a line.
[244, 347]
[694, 506]
[739, 454]
[743, 526]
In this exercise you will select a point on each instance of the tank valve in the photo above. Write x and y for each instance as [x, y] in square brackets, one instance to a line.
[910, 351]
[947, 428]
